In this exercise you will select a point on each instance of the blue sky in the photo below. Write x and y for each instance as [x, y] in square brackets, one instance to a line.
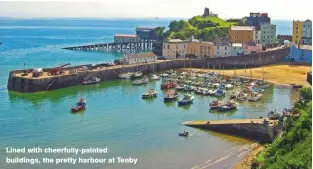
[277, 9]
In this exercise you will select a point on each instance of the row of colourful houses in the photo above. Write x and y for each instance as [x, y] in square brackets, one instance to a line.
[176, 48]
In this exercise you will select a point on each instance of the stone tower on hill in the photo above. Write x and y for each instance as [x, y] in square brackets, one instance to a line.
[206, 12]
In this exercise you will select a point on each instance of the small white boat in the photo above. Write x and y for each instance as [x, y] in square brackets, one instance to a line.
[212, 92]
[237, 83]
[254, 97]
[205, 92]
[155, 77]
[183, 73]
[229, 86]
[145, 80]
[216, 85]
[242, 97]
[164, 75]
[125, 75]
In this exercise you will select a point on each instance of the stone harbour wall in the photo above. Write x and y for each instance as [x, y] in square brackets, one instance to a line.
[23, 84]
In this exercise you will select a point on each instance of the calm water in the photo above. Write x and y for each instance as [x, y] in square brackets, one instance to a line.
[117, 118]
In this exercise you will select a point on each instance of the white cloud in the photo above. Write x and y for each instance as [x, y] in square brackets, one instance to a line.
[277, 9]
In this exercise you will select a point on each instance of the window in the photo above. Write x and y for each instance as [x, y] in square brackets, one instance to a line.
[225, 53]
[184, 45]
[200, 47]
[218, 47]
[168, 46]
[176, 46]
[225, 47]
[217, 52]
[164, 46]
[204, 47]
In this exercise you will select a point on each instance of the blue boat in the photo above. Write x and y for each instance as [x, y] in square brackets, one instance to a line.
[220, 92]
[188, 99]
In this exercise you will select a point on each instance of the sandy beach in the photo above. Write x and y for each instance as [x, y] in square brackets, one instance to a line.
[278, 74]
[246, 162]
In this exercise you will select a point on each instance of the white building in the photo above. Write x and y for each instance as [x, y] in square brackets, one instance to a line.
[268, 33]
[237, 49]
[140, 58]
[222, 50]
[174, 48]
[125, 38]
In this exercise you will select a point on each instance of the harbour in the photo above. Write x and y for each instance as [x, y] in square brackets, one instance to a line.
[116, 115]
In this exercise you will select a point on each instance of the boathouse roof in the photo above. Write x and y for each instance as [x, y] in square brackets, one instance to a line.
[125, 36]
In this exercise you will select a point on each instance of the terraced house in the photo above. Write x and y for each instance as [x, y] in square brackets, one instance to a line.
[199, 48]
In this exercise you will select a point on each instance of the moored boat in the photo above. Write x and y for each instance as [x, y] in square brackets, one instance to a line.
[273, 115]
[228, 86]
[180, 87]
[170, 96]
[212, 92]
[150, 94]
[137, 74]
[205, 92]
[220, 92]
[145, 80]
[230, 105]
[124, 75]
[91, 81]
[81, 105]
[242, 97]
[254, 97]
[168, 85]
[234, 95]
[187, 99]
[155, 77]
[214, 104]
[163, 75]
[188, 88]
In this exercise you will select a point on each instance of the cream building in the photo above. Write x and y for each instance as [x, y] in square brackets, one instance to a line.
[140, 58]
[174, 48]
[222, 50]
[200, 48]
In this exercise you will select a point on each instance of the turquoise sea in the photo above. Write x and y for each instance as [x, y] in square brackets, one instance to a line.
[118, 118]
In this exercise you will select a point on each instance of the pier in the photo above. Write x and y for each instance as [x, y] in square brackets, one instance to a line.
[262, 130]
[142, 41]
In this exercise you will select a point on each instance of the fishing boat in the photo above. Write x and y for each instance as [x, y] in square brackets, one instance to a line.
[124, 75]
[220, 92]
[150, 94]
[145, 80]
[184, 134]
[170, 96]
[187, 99]
[180, 87]
[242, 97]
[91, 81]
[230, 105]
[254, 97]
[273, 115]
[155, 77]
[168, 85]
[81, 105]
[214, 104]
[228, 86]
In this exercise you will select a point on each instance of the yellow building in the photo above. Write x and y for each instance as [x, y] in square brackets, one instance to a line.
[200, 48]
[296, 31]
[242, 34]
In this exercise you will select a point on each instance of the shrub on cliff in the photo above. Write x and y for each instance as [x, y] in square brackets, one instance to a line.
[293, 149]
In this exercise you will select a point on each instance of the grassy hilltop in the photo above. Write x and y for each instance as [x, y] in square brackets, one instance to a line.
[205, 28]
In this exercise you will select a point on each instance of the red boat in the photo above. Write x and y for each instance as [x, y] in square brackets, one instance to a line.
[81, 105]
[168, 85]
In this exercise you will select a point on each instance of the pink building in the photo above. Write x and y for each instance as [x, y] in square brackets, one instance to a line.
[252, 48]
